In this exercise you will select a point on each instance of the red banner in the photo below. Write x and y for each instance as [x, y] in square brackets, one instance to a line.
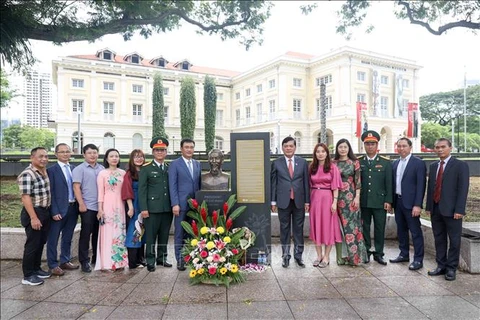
[361, 118]
[412, 129]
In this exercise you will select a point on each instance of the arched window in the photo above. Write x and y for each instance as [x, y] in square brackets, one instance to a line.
[75, 147]
[137, 141]
[219, 142]
[108, 141]
[298, 139]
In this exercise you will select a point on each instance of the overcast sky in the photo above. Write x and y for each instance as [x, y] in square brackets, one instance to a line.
[443, 58]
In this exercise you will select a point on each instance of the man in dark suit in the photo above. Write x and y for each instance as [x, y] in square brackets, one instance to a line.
[447, 191]
[291, 195]
[64, 212]
[376, 195]
[183, 180]
[409, 179]
[154, 201]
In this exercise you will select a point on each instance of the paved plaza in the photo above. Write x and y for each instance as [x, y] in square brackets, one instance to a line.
[371, 291]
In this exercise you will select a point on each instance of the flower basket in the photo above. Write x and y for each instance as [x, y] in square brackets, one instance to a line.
[214, 252]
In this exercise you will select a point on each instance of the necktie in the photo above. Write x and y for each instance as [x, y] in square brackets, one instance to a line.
[69, 183]
[190, 168]
[161, 167]
[290, 171]
[438, 184]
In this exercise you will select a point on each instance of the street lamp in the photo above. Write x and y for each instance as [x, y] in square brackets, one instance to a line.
[173, 144]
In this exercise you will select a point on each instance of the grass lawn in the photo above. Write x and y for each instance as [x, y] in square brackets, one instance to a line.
[11, 204]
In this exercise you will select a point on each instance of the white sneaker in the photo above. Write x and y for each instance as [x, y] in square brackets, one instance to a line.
[32, 280]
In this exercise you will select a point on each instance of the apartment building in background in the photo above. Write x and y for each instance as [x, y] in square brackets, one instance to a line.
[37, 99]
[110, 95]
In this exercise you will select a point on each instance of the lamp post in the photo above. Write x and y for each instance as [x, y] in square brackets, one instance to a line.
[173, 144]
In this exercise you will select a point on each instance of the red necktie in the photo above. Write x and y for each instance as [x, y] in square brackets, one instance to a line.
[290, 170]
[438, 184]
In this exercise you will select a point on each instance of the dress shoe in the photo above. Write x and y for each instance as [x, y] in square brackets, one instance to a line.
[151, 267]
[400, 259]
[86, 267]
[450, 275]
[69, 266]
[415, 265]
[380, 260]
[57, 271]
[166, 264]
[300, 263]
[181, 266]
[285, 262]
[437, 272]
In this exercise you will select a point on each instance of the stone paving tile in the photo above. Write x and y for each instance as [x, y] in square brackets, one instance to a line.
[266, 275]
[149, 294]
[385, 308]
[138, 275]
[53, 310]
[118, 276]
[15, 271]
[10, 308]
[137, 312]
[98, 312]
[260, 290]
[8, 283]
[259, 310]
[366, 287]
[116, 297]
[7, 264]
[445, 307]
[293, 271]
[184, 293]
[308, 289]
[473, 298]
[162, 274]
[196, 311]
[414, 286]
[36, 293]
[464, 284]
[322, 309]
[397, 269]
[334, 271]
[85, 292]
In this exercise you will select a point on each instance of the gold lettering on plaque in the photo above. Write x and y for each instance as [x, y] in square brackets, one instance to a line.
[250, 171]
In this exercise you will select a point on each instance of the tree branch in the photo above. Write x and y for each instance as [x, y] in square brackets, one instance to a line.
[441, 29]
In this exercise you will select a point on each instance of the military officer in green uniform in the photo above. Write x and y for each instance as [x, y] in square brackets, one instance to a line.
[376, 194]
[154, 201]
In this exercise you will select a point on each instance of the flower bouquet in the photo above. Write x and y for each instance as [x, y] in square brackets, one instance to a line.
[214, 251]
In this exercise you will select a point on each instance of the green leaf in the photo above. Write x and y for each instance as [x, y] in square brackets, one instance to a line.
[188, 228]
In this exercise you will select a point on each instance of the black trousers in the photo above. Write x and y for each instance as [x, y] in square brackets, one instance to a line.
[88, 232]
[405, 222]
[36, 239]
[446, 227]
[291, 222]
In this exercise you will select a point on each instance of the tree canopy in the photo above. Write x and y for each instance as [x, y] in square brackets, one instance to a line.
[67, 21]
[158, 108]
[210, 110]
[6, 92]
[27, 137]
[436, 16]
[188, 108]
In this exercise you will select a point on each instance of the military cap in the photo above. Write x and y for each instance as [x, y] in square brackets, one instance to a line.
[370, 136]
[159, 143]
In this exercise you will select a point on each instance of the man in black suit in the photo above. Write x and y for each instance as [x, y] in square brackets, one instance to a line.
[409, 179]
[447, 191]
[291, 195]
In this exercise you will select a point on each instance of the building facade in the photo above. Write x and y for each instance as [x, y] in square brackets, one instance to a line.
[109, 97]
[37, 99]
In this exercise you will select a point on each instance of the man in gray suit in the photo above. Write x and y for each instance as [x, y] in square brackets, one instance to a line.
[291, 195]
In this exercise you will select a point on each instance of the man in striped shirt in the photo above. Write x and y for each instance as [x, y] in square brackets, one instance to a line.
[35, 216]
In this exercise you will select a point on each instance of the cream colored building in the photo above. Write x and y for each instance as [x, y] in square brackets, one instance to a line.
[113, 94]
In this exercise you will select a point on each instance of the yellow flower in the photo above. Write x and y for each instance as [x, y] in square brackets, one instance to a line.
[223, 270]
[193, 273]
[227, 239]
[194, 242]
[220, 230]
[210, 245]
[200, 271]
[203, 230]
[234, 268]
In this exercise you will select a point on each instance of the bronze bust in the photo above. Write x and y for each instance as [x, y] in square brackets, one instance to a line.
[215, 179]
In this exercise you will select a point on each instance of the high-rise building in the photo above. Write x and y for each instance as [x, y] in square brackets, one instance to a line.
[37, 99]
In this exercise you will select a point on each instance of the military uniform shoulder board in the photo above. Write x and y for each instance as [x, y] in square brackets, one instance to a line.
[385, 158]
[360, 157]
[147, 163]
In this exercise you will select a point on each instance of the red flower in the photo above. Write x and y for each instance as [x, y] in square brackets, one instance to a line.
[341, 204]
[219, 244]
[195, 228]
[353, 249]
[344, 221]
[214, 218]
[113, 267]
[212, 270]
[216, 257]
[359, 236]
[349, 196]
[234, 251]
[349, 238]
[195, 203]
[204, 254]
[356, 259]
[187, 258]
[225, 209]
[355, 231]
[229, 223]
[203, 212]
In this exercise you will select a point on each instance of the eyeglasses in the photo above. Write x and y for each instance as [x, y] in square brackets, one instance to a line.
[64, 152]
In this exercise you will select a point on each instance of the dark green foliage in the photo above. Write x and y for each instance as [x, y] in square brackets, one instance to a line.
[210, 110]
[188, 107]
[158, 108]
